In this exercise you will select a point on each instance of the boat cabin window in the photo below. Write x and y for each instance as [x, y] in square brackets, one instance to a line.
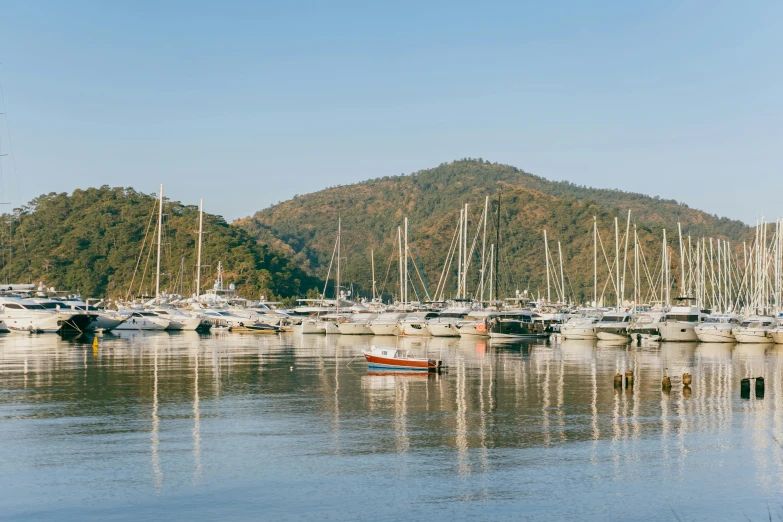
[51, 306]
[33, 307]
[516, 317]
[14, 306]
[615, 319]
[686, 318]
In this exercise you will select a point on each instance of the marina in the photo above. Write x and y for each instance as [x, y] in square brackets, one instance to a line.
[180, 425]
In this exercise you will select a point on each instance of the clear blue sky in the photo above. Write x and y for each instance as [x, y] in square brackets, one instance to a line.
[248, 103]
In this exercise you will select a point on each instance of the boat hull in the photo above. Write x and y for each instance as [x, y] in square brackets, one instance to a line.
[390, 363]
[443, 330]
[619, 333]
[651, 334]
[184, 324]
[754, 336]
[478, 329]
[141, 323]
[578, 332]
[677, 331]
[385, 329]
[355, 329]
[414, 330]
[312, 327]
[777, 335]
[708, 334]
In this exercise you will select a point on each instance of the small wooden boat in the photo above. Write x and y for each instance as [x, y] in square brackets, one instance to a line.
[394, 359]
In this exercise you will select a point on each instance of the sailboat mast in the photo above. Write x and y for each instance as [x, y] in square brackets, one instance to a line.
[497, 254]
[465, 253]
[491, 271]
[406, 260]
[682, 263]
[337, 279]
[625, 254]
[562, 278]
[160, 222]
[617, 262]
[636, 289]
[399, 244]
[595, 261]
[459, 255]
[372, 262]
[546, 260]
[198, 256]
[484, 248]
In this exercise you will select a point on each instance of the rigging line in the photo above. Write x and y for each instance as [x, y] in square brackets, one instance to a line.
[643, 259]
[611, 268]
[473, 246]
[388, 270]
[412, 246]
[423, 284]
[329, 271]
[149, 255]
[450, 260]
[446, 266]
[141, 252]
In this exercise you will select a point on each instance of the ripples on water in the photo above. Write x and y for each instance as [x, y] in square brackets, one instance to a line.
[184, 426]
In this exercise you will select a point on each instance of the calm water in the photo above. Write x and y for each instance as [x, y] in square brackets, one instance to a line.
[183, 426]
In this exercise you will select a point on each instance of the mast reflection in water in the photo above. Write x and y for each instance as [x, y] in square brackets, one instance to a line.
[185, 426]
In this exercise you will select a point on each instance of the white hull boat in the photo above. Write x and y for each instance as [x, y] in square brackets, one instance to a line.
[443, 329]
[352, 328]
[755, 330]
[384, 329]
[144, 321]
[715, 333]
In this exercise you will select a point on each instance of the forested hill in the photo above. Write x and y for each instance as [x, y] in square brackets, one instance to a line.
[99, 241]
[305, 226]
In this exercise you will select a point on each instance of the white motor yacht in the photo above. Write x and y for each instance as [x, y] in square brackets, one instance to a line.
[415, 324]
[777, 333]
[580, 327]
[27, 316]
[76, 320]
[755, 329]
[680, 322]
[387, 323]
[614, 326]
[646, 326]
[357, 324]
[476, 323]
[717, 328]
[551, 320]
[142, 320]
[446, 324]
[329, 322]
[516, 324]
[311, 325]
[179, 319]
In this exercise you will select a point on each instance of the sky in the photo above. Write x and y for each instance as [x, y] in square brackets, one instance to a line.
[249, 103]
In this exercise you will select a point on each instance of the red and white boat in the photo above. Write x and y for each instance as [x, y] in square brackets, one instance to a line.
[394, 359]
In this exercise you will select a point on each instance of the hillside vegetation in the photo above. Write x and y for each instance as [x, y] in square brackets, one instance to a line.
[99, 241]
[305, 226]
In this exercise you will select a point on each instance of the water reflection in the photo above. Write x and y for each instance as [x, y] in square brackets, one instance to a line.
[195, 411]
